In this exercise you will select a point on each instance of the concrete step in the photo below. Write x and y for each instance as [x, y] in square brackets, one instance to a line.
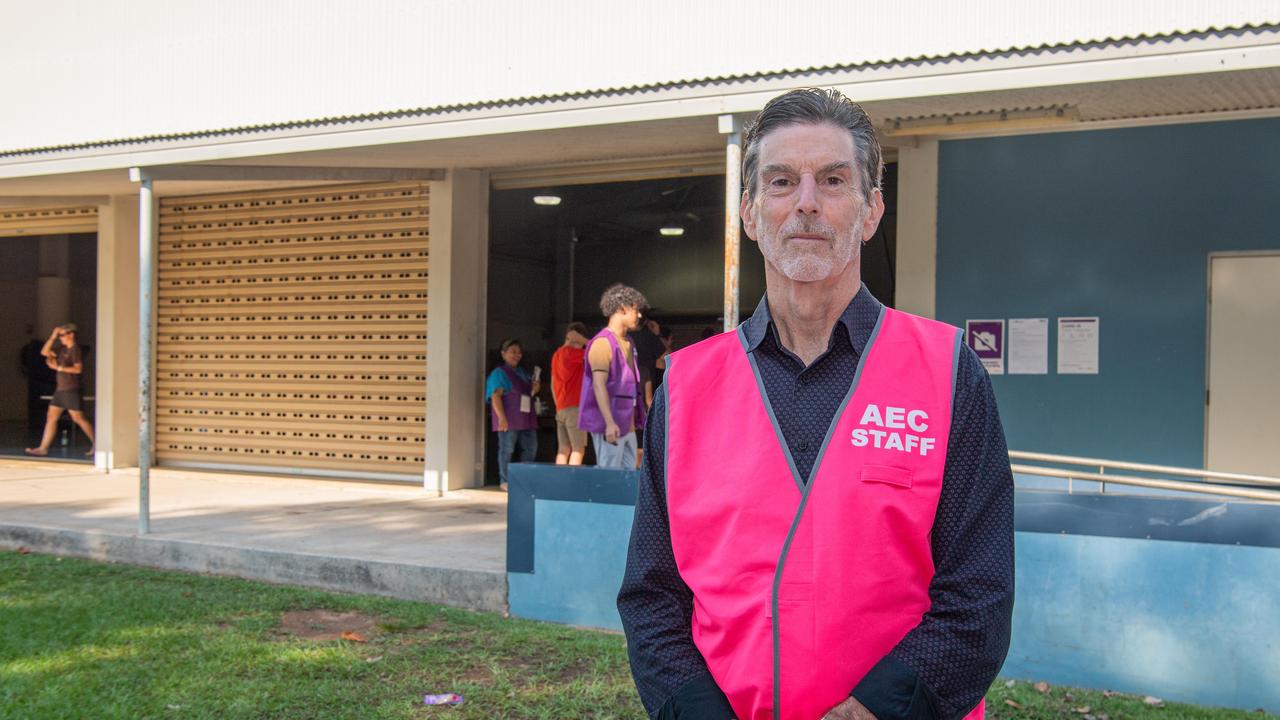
[482, 590]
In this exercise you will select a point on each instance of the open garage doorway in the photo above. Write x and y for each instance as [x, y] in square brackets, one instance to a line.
[45, 281]
[554, 249]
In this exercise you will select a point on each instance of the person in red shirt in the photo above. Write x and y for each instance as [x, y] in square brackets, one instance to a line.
[566, 388]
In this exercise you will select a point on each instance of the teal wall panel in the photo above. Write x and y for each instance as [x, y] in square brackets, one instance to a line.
[1173, 597]
[580, 553]
[1118, 224]
[1194, 622]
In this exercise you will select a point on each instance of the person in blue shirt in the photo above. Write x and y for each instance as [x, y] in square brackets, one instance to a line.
[509, 391]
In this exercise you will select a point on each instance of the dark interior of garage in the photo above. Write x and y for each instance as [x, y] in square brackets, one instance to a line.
[44, 281]
[549, 263]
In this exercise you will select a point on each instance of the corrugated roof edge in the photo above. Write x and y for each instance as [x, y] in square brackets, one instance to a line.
[653, 87]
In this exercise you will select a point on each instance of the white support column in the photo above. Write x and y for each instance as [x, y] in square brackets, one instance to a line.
[456, 297]
[116, 359]
[917, 256]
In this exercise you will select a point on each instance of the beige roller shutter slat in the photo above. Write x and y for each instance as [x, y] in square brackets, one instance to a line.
[295, 197]
[48, 220]
[303, 311]
[368, 226]
[204, 420]
[292, 330]
[359, 205]
[199, 251]
[308, 267]
[301, 462]
[322, 416]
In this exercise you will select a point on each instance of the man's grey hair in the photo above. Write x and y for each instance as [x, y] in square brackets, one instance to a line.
[813, 106]
[618, 296]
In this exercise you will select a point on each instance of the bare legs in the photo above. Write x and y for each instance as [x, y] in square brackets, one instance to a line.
[565, 456]
[77, 416]
[51, 429]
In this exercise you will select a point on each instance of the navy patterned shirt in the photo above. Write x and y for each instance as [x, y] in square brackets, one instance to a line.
[943, 667]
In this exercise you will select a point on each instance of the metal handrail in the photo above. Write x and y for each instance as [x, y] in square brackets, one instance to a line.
[1232, 478]
[1181, 485]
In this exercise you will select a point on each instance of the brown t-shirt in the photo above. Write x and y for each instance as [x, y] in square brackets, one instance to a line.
[66, 357]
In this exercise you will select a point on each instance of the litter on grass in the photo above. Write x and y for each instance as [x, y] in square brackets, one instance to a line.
[444, 699]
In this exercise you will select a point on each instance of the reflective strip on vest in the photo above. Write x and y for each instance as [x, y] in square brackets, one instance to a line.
[801, 587]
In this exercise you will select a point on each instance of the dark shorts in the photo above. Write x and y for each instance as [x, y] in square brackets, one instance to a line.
[67, 400]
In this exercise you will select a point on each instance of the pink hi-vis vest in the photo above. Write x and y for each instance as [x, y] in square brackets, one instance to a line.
[800, 588]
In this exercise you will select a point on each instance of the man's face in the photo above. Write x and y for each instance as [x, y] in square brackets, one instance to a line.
[809, 215]
[575, 338]
[630, 318]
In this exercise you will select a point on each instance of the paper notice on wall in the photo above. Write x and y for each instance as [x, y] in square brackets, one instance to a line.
[1029, 346]
[1078, 346]
[986, 339]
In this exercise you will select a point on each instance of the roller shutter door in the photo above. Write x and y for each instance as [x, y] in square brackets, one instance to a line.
[48, 220]
[292, 330]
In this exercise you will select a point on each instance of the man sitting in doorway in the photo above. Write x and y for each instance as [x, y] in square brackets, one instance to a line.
[65, 357]
[610, 403]
[566, 389]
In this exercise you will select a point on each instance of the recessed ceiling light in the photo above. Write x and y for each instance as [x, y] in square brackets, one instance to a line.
[546, 199]
[671, 231]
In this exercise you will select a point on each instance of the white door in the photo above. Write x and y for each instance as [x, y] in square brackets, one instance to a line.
[1243, 413]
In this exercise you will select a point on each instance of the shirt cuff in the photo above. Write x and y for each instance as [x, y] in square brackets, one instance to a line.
[698, 699]
[892, 691]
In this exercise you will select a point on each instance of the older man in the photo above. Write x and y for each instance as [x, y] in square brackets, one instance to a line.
[824, 526]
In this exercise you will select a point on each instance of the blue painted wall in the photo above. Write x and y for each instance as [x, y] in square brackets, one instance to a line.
[1098, 604]
[580, 553]
[1183, 621]
[1118, 224]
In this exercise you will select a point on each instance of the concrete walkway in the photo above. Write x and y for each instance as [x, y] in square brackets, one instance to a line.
[381, 539]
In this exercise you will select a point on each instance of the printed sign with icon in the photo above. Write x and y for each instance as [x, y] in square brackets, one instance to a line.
[986, 339]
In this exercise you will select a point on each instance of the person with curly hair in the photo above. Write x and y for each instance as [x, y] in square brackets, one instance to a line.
[611, 406]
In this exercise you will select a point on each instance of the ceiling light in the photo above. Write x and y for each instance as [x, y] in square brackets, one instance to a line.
[546, 199]
[671, 231]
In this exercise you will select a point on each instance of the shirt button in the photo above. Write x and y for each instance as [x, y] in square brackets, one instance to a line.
[803, 446]
[804, 379]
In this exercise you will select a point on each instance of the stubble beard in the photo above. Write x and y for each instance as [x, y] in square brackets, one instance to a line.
[807, 261]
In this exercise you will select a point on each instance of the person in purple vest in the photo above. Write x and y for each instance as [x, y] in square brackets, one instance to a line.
[824, 518]
[510, 391]
[611, 406]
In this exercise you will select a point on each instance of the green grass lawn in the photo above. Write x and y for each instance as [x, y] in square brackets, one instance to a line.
[88, 640]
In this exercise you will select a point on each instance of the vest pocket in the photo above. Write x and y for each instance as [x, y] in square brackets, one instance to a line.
[887, 474]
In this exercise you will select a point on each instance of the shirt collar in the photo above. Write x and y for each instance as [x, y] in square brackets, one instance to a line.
[859, 320]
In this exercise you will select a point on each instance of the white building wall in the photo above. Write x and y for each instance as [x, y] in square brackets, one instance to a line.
[82, 72]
